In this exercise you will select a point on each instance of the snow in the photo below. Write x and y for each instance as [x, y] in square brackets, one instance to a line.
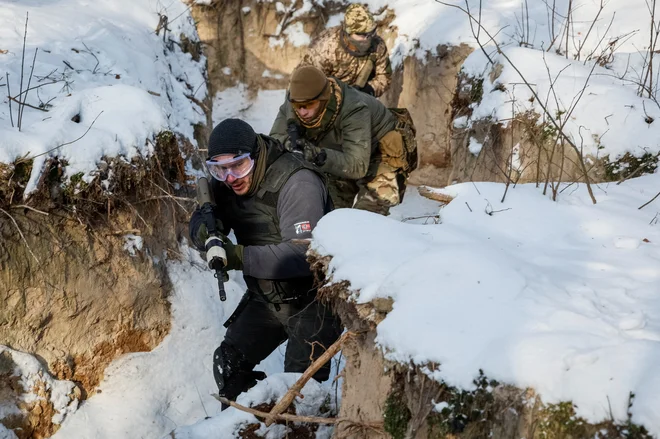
[422, 25]
[150, 394]
[33, 377]
[105, 78]
[600, 122]
[561, 297]
[171, 385]
[6, 434]
[133, 243]
[268, 74]
[260, 111]
[474, 147]
[269, 390]
[558, 296]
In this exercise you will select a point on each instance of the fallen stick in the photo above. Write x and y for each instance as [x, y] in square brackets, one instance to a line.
[290, 395]
[297, 418]
[649, 202]
[282, 416]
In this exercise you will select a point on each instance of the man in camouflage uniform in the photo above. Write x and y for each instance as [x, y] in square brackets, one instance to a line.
[366, 149]
[353, 53]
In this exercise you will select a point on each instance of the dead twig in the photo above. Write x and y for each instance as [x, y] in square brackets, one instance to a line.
[549, 115]
[20, 232]
[67, 143]
[11, 115]
[290, 395]
[427, 217]
[25, 206]
[433, 195]
[296, 418]
[95, 70]
[161, 197]
[649, 202]
[22, 68]
[24, 104]
[20, 116]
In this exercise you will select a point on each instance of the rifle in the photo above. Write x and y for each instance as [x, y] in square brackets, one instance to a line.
[216, 256]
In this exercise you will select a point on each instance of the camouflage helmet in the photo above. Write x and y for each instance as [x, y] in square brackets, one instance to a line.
[358, 20]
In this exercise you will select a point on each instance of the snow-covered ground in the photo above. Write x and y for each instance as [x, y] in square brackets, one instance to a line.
[563, 297]
[150, 394]
[100, 67]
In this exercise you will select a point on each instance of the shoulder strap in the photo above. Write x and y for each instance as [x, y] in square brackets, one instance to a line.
[279, 173]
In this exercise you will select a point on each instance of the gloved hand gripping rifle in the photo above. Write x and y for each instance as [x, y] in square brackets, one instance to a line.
[216, 256]
[293, 130]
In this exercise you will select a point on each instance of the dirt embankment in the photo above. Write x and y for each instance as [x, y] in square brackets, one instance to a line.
[82, 267]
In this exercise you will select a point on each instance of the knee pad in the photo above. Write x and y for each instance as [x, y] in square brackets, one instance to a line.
[232, 372]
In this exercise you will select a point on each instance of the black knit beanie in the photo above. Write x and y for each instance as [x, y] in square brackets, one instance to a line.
[232, 136]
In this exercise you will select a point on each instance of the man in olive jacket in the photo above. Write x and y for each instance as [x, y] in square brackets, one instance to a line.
[272, 200]
[366, 149]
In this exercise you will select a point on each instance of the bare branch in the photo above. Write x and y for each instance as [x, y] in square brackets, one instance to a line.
[24, 104]
[25, 206]
[67, 143]
[586, 37]
[290, 395]
[20, 232]
[22, 68]
[295, 418]
[649, 202]
[536, 96]
[11, 114]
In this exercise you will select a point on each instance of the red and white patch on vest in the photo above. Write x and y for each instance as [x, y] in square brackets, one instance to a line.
[302, 227]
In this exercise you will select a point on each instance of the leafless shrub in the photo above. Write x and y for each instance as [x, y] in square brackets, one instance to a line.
[553, 118]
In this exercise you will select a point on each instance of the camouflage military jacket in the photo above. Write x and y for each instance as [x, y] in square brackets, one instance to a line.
[328, 54]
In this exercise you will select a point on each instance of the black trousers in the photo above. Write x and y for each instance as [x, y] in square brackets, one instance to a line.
[308, 325]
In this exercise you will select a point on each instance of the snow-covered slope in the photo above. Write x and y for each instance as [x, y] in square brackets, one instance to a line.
[562, 297]
[97, 63]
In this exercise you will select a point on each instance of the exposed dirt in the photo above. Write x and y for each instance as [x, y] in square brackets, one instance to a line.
[72, 294]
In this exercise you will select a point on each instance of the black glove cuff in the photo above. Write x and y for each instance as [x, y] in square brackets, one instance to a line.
[321, 158]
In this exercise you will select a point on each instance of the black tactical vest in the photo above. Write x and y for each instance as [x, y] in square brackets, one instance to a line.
[255, 222]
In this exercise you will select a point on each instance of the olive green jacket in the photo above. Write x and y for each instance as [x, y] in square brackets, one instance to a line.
[362, 121]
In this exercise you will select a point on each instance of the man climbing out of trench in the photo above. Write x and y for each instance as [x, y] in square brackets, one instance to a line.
[272, 200]
[366, 149]
[353, 53]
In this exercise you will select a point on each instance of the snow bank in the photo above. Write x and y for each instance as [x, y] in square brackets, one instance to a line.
[601, 121]
[38, 384]
[561, 297]
[100, 63]
[422, 25]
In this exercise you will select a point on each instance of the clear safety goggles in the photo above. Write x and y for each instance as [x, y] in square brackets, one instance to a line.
[238, 166]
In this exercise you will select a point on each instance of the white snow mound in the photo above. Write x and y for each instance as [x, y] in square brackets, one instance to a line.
[563, 297]
[100, 63]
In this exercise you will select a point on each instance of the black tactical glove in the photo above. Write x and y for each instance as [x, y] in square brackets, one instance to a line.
[368, 89]
[200, 234]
